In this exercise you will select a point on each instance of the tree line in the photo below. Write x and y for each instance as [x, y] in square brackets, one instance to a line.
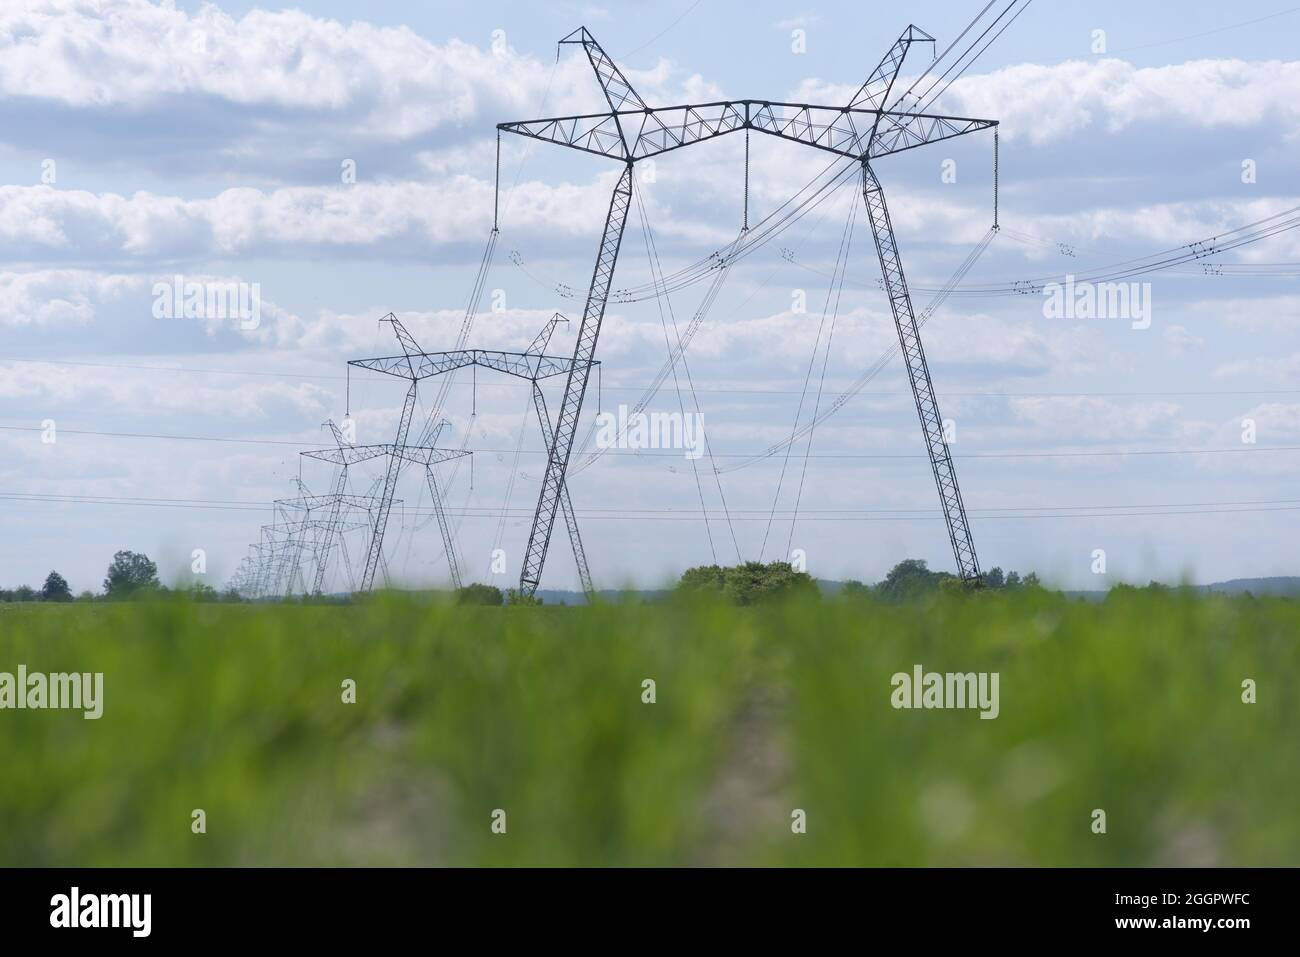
[130, 575]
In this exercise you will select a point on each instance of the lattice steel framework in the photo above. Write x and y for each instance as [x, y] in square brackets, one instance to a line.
[408, 366]
[533, 365]
[864, 130]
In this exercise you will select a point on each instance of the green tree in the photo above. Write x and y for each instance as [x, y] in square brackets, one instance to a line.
[703, 578]
[130, 574]
[197, 591]
[748, 583]
[55, 588]
[911, 578]
[855, 589]
[516, 597]
[25, 593]
[993, 578]
[479, 594]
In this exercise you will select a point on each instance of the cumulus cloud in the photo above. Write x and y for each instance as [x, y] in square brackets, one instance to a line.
[1089, 418]
[390, 82]
[56, 387]
[1265, 368]
[1048, 102]
[60, 296]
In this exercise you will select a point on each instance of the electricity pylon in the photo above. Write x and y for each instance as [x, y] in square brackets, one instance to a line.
[403, 367]
[416, 365]
[534, 365]
[344, 455]
[337, 501]
[325, 531]
[864, 130]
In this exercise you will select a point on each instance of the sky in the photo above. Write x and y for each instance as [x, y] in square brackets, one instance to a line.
[341, 161]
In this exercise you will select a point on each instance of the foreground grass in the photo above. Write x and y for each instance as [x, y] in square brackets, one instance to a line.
[1132, 706]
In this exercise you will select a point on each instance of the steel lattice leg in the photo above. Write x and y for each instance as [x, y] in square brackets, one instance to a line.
[909, 336]
[575, 388]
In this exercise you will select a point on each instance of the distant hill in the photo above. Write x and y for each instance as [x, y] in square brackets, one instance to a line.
[1285, 586]
[558, 596]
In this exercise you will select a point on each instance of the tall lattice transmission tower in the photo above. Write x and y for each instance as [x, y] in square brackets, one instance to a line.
[872, 125]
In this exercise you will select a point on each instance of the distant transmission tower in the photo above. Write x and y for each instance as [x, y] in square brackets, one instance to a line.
[405, 366]
[868, 128]
[343, 456]
[533, 365]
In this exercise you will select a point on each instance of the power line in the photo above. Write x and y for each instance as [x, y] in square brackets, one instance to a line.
[622, 513]
[678, 454]
[506, 386]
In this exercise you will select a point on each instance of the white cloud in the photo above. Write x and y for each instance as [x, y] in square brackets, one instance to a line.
[1265, 368]
[107, 54]
[1088, 418]
[152, 227]
[1181, 340]
[102, 390]
[58, 296]
[1043, 103]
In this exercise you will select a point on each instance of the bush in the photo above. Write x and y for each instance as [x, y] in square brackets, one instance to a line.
[478, 594]
[748, 583]
[129, 574]
[55, 588]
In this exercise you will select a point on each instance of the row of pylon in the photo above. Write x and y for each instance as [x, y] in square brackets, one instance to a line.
[304, 550]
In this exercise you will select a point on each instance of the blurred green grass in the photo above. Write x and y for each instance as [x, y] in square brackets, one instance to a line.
[1132, 705]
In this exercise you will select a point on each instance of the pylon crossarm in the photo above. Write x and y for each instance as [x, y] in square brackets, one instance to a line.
[918, 373]
[420, 455]
[897, 132]
[348, 454]
[847, 131]
[523, 365]
[427, 456]
[426, 365]
[323, 501]
[416, 366]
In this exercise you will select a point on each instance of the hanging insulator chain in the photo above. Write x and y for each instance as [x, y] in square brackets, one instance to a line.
[745, 227]
[995, 177]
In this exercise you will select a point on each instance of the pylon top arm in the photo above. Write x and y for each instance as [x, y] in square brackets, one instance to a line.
[351, 454]
[874, 94]
[618, 91]
[543, 338]
[311, 502]
[525, 365]
[856, 132]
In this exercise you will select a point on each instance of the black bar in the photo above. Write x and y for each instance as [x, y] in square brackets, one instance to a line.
[976, 906]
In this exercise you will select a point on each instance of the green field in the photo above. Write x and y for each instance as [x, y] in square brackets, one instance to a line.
[1133, 706]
